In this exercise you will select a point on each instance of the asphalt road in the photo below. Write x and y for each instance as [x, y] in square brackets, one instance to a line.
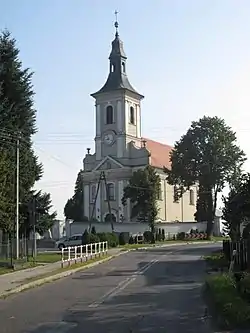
[157, 290]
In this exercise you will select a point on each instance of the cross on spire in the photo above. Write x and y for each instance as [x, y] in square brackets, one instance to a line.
[116, 23]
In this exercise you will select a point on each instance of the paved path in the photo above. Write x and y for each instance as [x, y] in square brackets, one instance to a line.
[15, 279]
[156, 290]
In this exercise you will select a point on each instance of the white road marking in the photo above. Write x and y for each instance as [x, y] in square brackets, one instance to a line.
[58, 327]
[123, 284]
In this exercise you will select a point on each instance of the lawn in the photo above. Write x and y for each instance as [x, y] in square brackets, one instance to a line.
[47, 258]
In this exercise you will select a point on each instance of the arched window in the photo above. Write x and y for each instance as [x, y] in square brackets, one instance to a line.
[110, 192]
[112, 68]
[123, 67]
[109, 115]
[132, 115]
[191, 197]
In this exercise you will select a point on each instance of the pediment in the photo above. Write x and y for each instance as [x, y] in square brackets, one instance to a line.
[108, 163]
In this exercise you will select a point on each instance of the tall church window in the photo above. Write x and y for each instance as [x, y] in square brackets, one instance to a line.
[176, 194]
[132, 115]
[110, 192]
[93, 193]
[191, 197]
[109, 115]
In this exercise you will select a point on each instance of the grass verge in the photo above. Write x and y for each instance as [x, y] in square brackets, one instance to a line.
[65, 269]
[226, 306]
[47, 258]
[216, 261]
[138, 246]
[42, 258]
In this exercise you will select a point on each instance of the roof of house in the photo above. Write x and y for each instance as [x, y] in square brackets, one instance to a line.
[160, 157]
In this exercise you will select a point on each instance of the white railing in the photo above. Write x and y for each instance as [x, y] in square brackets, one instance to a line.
[75, 254]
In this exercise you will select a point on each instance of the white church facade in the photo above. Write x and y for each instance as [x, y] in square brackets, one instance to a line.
[120, 149]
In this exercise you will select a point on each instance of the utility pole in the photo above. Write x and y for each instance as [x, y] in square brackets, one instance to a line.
[109, 207]
[101, 178]
[17, 195]
[34, 225]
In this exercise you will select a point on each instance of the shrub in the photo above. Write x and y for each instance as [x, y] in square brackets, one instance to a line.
[85, 237]
[109, 237]
[131, 240]
[123, 238]
[153, 239]
[93, 238]
[112, 239]
[147, 236]
[229, 307]
[181, 235]
[163, 234]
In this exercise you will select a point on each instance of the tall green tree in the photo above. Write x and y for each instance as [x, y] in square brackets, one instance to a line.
[207, 155]
[143, 191]
[17, 120]
[74, 206]
[236, 210]
[41, 204]
[202, 204]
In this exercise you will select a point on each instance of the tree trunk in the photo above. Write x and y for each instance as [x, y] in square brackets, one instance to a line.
[210, 221]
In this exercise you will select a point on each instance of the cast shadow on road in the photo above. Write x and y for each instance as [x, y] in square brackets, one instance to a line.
[166, 299]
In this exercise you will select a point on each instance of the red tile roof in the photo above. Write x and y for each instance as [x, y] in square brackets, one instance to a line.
[159, 153]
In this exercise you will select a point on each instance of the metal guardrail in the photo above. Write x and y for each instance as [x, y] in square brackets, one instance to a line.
[75, 254]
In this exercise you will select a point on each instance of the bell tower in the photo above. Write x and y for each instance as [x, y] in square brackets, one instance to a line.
[118, 107]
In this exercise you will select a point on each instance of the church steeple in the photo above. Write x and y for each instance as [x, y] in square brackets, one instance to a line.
[117, 78]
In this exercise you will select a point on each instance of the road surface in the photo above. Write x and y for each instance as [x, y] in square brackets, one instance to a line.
[156, 290]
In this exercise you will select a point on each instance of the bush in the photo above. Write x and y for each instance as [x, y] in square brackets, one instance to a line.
[131, 240]
[230, 309]
[109, 237]
[148, 236]
[112, 239]
[93, 238]
[181, 235]
[85, 237]
[244, 284]
[163, 234]
[123, 238]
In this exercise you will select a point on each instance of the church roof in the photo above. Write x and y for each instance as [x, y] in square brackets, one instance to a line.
[160, 153]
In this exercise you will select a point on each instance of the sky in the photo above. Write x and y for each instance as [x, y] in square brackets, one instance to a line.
[188, 58]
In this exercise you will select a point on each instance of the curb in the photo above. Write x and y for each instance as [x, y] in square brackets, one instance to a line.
[173, 244]
[69, 272]
[54, 277]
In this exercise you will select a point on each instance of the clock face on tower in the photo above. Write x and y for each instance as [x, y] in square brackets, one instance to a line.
[109, 138]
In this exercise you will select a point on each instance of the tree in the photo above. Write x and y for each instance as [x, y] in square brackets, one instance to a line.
[207, 155]
[143, 191]
[74, 206]
[236, 210]
[202, 213]
[40, 204]
[18, 120]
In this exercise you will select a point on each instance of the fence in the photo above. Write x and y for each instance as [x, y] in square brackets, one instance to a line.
[76, 254]
[242, 254]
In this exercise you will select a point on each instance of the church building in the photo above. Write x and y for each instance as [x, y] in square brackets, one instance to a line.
[120, 149]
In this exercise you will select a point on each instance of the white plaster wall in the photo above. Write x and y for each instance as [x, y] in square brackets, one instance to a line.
[170, 228]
